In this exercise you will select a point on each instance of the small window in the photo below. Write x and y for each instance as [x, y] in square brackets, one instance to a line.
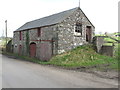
[20, 34]
[78, 28]
[39, 32]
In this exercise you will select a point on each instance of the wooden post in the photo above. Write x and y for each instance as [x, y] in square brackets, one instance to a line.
[6, 31]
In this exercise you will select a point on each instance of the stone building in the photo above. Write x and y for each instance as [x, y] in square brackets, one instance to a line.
[54, 34]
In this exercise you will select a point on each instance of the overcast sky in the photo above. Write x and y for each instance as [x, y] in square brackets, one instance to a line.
[102, 13]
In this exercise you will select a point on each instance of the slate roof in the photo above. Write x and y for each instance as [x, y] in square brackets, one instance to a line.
[49, 20]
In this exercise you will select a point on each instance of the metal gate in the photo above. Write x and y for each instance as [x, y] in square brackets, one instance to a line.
[45, 51]
[32, 49]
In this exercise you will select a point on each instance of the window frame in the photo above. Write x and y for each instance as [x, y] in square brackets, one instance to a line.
[78, 28]
[39, 32]
[20, 35]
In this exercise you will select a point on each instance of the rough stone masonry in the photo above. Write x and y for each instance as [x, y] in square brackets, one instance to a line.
[54, 34]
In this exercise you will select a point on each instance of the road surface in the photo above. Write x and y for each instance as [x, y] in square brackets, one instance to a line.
[22, 74]
[0, 71]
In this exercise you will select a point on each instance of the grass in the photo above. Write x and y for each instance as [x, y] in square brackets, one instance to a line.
[117, 51]
[82, 56]
[3, 41]
[108, 44]
[109, 40]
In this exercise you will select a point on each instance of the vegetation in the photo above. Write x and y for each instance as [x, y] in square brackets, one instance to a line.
[3, 41]
[80, 57]
[27, 41]
[110, 34]
[113, 35]
[84, 56]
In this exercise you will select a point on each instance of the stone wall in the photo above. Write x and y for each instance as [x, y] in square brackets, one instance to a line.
[17, 42]
[61, 37]
[107, 50]
[67, 38]
[98, 42]
[48, 35]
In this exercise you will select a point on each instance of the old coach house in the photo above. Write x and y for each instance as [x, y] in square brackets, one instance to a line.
[54, 34]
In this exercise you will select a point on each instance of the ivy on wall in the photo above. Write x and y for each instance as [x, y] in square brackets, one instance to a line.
[27, 42]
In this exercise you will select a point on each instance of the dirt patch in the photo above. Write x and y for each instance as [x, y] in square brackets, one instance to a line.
[106, 73]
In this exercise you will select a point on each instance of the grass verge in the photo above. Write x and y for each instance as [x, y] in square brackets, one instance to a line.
[80, 57]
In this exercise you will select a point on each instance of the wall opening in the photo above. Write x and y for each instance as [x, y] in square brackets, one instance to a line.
[20, 49]
[88, 34]
[32, 49]
[45, 51]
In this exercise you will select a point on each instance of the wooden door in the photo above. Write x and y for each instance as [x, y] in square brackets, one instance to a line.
[45, 51]
[33, 50]
[88, 34]
[20, 49]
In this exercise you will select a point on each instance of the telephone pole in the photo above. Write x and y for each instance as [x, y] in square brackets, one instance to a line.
[6, 30]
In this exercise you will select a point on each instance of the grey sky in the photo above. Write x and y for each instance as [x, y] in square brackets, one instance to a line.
[102, 13]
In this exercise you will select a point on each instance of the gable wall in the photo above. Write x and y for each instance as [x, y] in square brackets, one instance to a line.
[67, 38]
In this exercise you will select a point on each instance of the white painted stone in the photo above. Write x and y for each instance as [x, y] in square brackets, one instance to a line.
[61, 51]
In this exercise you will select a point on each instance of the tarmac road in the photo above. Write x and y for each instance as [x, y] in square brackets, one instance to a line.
[0, 71]
[22, 74]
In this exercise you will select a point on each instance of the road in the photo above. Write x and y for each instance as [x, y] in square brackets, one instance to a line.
[0, 71]
[22, 74]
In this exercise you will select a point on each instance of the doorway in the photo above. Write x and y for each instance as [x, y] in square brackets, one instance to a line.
[45, 51]
[88, 34]
[20, 49]
[32, 49]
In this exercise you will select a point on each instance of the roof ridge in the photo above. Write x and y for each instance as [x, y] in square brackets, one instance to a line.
[54, 14]
[48, 20]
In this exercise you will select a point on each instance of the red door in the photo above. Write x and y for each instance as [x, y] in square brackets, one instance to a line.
[33, 50]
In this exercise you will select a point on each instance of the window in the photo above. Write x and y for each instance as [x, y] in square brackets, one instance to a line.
[39, 32]
[78, 28]
[20, 34]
